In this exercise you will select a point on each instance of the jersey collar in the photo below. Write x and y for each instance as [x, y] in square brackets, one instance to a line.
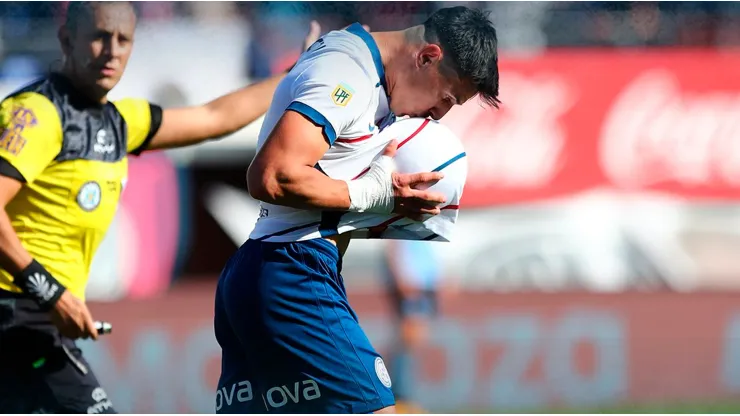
[358, 30]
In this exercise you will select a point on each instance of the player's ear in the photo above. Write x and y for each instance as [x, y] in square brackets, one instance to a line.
[65, 40]
[429, 54]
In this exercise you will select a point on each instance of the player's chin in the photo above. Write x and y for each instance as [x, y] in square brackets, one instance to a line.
[107, 83]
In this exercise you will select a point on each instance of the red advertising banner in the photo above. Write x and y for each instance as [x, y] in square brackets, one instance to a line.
[488, 352]
[571, 121]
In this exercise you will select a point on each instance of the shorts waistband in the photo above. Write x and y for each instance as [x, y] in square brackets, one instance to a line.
[319, 244]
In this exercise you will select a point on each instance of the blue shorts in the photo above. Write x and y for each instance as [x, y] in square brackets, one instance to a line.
[290, 341]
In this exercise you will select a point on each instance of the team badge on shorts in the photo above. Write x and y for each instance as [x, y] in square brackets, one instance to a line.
[382, 372]
[89, 196]
[342, 94]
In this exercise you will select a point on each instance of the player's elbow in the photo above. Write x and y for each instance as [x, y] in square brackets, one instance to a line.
[263, 183]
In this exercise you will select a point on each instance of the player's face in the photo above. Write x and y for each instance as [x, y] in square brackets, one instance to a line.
[100, 47]
[429, 89]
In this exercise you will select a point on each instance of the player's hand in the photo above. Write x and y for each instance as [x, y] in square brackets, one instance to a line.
[314, 32]
[411, 199]
[71, 316]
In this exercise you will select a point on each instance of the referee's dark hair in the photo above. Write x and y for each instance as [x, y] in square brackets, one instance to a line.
[468, 38]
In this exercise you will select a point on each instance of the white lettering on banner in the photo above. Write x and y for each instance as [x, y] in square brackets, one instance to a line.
[655, 133]
[243, 394]
[520, 146]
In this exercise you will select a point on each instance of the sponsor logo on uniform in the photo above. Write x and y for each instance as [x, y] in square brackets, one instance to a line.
[382, 372]
[275, 398]
[40, 286]
[11, 138]
[89, 196]
[264, 212]
[104, 143]
[342, 94]
[101, 401]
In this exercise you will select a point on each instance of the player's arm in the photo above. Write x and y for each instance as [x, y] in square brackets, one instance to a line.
[328, 97]
[13, 257]
[30, 138]
[225, 115]
[283, 172]
[180, 127]
[150, 127]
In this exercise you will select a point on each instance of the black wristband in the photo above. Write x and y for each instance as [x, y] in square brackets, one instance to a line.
[36, 282]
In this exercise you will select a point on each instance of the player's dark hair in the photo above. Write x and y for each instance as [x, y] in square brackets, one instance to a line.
[467, 37]
[79, 10]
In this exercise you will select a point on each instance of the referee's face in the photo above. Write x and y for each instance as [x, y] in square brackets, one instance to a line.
[101, 44]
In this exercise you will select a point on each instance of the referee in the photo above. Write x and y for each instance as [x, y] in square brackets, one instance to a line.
[63, 166]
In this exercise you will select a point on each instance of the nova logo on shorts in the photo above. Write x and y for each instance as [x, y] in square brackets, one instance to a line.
[342, 94]
[276, 397]
[243, 390]
[279, 396]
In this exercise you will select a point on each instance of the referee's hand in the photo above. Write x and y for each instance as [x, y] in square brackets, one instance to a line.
[72, 318]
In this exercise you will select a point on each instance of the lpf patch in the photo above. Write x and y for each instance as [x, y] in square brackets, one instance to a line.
[382, 372]
[89, 196]
[342, 94]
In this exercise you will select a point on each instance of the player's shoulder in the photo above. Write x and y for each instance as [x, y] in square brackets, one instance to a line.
[131, 105]
[338, 54]
[30, 104]
[332, 65]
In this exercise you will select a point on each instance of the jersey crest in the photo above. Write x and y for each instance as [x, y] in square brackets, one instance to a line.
[342, 94]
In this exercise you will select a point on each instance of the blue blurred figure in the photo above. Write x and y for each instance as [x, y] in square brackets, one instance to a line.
[413, 274]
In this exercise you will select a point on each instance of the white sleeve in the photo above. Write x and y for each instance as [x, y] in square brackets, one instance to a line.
[333, 91]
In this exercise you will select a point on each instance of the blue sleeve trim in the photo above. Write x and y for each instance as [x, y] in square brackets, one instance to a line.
[357, 30]
[317, 118]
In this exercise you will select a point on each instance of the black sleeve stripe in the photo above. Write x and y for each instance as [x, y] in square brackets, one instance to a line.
[7, 169]
[156, 122]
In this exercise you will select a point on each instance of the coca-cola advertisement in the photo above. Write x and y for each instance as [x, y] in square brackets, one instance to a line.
[571, 121]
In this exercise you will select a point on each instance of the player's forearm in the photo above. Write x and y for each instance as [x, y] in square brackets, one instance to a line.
[13, 257]
[187, 126]
[302, 187]
[244, 106]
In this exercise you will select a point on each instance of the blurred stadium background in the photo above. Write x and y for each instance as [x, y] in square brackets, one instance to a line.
[597, 264]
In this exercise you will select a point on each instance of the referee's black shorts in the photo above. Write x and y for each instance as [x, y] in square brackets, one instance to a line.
[41, 371]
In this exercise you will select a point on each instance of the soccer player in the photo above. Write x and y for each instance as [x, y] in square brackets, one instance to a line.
[63, 166]
[412, 276]
[290, 341]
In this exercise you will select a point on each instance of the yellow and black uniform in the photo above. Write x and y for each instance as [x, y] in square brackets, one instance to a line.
[71, 156]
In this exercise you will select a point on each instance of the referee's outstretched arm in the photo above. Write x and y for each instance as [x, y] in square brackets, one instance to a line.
[224, 115]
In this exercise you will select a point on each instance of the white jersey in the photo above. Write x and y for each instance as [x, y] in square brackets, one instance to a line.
[339, 84]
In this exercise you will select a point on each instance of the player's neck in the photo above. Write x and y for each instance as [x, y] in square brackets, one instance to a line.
[82, 88]
[390, 44]
[394, 47]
